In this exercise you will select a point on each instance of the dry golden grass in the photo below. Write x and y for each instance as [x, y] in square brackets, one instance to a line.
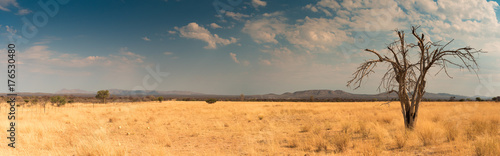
[255, 128]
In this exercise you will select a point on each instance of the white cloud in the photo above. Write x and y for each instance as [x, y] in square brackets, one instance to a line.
[195, 31]
[236, 16]
[242, 62]
[265, 30]
[10, 29]
[332, 4]
[146, 38]
[258, 3]
[233, 56]
[317, 34]
[215, 26]
[312, 34]
[427, 5]
[171, 32]
[168, 53]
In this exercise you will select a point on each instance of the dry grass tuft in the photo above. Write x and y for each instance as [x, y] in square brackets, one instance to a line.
[341, 141]
[481, 125]
[320, 144]
[450, 131]
[486, 145]
[346, 126]
[400, 138]
[428, 133]
[380, 135]
[363, 129]
[367, 149]
[305, 128]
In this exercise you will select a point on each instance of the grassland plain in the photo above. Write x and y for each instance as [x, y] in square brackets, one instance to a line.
[254, 128]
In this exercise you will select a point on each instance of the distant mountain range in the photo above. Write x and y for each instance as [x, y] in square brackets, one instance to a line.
[129, 92]
[306, 94]
[329, 94]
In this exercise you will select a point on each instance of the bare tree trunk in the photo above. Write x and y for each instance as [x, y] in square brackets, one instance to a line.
[410, 119]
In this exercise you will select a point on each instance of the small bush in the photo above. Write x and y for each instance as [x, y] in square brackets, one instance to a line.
[211, 101]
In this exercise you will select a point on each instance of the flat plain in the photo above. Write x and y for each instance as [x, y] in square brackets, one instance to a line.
[254, 128]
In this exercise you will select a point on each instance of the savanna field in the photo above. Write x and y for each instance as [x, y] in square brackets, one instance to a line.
[254, 128]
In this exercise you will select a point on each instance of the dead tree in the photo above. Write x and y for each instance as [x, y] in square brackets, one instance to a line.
[407, 76]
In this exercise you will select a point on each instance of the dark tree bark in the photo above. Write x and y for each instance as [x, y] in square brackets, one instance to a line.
[406, 76]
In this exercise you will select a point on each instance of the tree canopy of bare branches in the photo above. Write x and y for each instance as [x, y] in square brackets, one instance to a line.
[407, 76]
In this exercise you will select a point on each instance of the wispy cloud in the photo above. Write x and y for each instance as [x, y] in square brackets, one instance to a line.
[215, 26]
[23, 11]
[146, 38]
[233, 56]
[258, 3]
[236, 16]
[5, 5]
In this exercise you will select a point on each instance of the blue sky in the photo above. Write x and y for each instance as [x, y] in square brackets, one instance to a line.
[234, 47]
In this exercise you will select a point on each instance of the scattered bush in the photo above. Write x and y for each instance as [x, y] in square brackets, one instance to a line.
[58, 100]
[103, 95]
[211, 101]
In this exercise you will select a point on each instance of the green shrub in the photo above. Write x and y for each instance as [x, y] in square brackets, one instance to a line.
[58, 100]
[211, 101]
